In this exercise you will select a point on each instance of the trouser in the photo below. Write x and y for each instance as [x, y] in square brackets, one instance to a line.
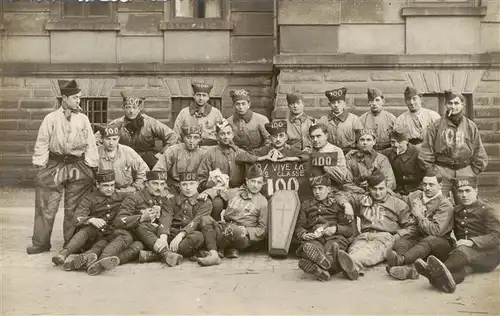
[326, 243]
[218, 205]
[417, 247]
[448, 174]
[76, 180]
[86, 235]
[147, 234]
[216, 239]
[119, 243]
[480, 260]
[370, 248]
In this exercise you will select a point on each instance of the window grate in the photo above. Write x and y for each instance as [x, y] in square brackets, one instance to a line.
[437, 102]
[96, 109]
[179, 103]
[198, 8]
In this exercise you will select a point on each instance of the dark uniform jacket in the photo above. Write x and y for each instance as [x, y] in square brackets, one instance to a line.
[408, 169]
[97, 205]
[327, 213]
[478, 222]
[224, 159]
[131, 211]
[189, 211]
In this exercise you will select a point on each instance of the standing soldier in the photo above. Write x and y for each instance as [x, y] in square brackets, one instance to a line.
[403, 156]
[148, 214]
[477, 229]
[139, 131]
[417, 118]
[323, 228]
[378, 119]
[343, 127]
[130, 170]
[248, 126]
[180, 158]
[453, 144]
[65, 153]
[200, 113]
[298, 123]
[431, 232]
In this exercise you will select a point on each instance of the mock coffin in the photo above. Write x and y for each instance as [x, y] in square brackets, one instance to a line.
[284, 208]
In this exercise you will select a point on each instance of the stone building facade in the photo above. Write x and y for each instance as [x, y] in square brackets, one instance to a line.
[270, 47]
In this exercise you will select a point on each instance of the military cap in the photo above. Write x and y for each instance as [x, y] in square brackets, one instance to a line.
[374, 93]
[292, 98]
[68, 87]
[450, 95]
[410, 92]
[192, 129]
[254, 171]
[375, 178]
[155, 175]
[109, 130]
[275, 127]
[320, 180]
[367, 131]
[221, 124]
[240, 94]
[336, 95]
[201, 87]
[400, 133]
[130, 99]
[188, 176]
[105, 175]
[465, 182]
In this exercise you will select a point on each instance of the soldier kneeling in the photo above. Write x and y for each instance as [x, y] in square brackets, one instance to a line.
[323, 227]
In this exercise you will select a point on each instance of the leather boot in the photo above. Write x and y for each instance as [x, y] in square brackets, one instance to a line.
[171, 258]
[102, 265]
[131, 253]
[33, 250]
[232, 253]
[211, 260]
[81, 261]
[60, 257]
[148, 256]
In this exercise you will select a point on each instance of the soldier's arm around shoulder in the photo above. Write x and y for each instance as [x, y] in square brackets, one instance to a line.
[126, 217]
[491, 221]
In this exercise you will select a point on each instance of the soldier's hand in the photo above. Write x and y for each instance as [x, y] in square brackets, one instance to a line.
[174, 244]
[145, 217]
[309, 236]
[158, 155]
[97, 222]
[465, 242]
[348, 211]
[202, 196]
[161, 243]
[330, 231]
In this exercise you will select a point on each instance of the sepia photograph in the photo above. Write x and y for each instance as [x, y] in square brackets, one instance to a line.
[250, 157]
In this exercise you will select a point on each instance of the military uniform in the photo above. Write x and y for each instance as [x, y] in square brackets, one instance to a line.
[141, 132]
[249, 130]
[206, 116]
[298, 126]
[455, 149]
[381, 122]
[224, 159]
[65, 152]
[362, 163]
[343, 128]
[338, 172]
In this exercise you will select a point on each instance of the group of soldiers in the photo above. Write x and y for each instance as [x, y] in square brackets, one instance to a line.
[390, 194]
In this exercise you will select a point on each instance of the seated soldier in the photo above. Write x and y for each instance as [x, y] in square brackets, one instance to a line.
[384, 219]
[244, 220]
[362, 161]
[322, 228]
[477, 229]
[433, 214]
[148, 214]
[184, 157]
[130, 169]
[93, 219]
[403, 156]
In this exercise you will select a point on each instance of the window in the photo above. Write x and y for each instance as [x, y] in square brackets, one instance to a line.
[436, 102]
[201, 9]
[179, 103]
[96, 109]
[85, 10]
[71, 15]
[445, 2]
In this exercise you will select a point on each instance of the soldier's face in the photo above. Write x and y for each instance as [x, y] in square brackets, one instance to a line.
[318, 138]
[454, 106]
[296, 108]
[337, 106]
[225, 135]
[431, 186]
[376, 104]
[131, 111]
[414, 104]
[320, 192]
[279, 140]
[192, 141]
[467, 195]
[241, 106]
[156, 187]
[189, 188]
[366, 142]
[72, 102]
[379, 191]
[399, 146]
[106, 188]
[111, 142]
[254, 185]
[201, 98]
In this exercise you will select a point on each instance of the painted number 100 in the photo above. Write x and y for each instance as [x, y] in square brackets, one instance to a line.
[274, 185]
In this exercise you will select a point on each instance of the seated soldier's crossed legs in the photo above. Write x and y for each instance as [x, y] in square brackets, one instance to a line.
[85, 235]
[368, 249]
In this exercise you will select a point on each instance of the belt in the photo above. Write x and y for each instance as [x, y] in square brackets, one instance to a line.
[67, 159]
[415, 141]
[454, 165]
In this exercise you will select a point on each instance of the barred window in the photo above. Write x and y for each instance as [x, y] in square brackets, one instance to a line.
[437, 102]
[179, 103]
[198, 8]
[96, 109]
[86, 10]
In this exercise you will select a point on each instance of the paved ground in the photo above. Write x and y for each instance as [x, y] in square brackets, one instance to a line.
[254, 284]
